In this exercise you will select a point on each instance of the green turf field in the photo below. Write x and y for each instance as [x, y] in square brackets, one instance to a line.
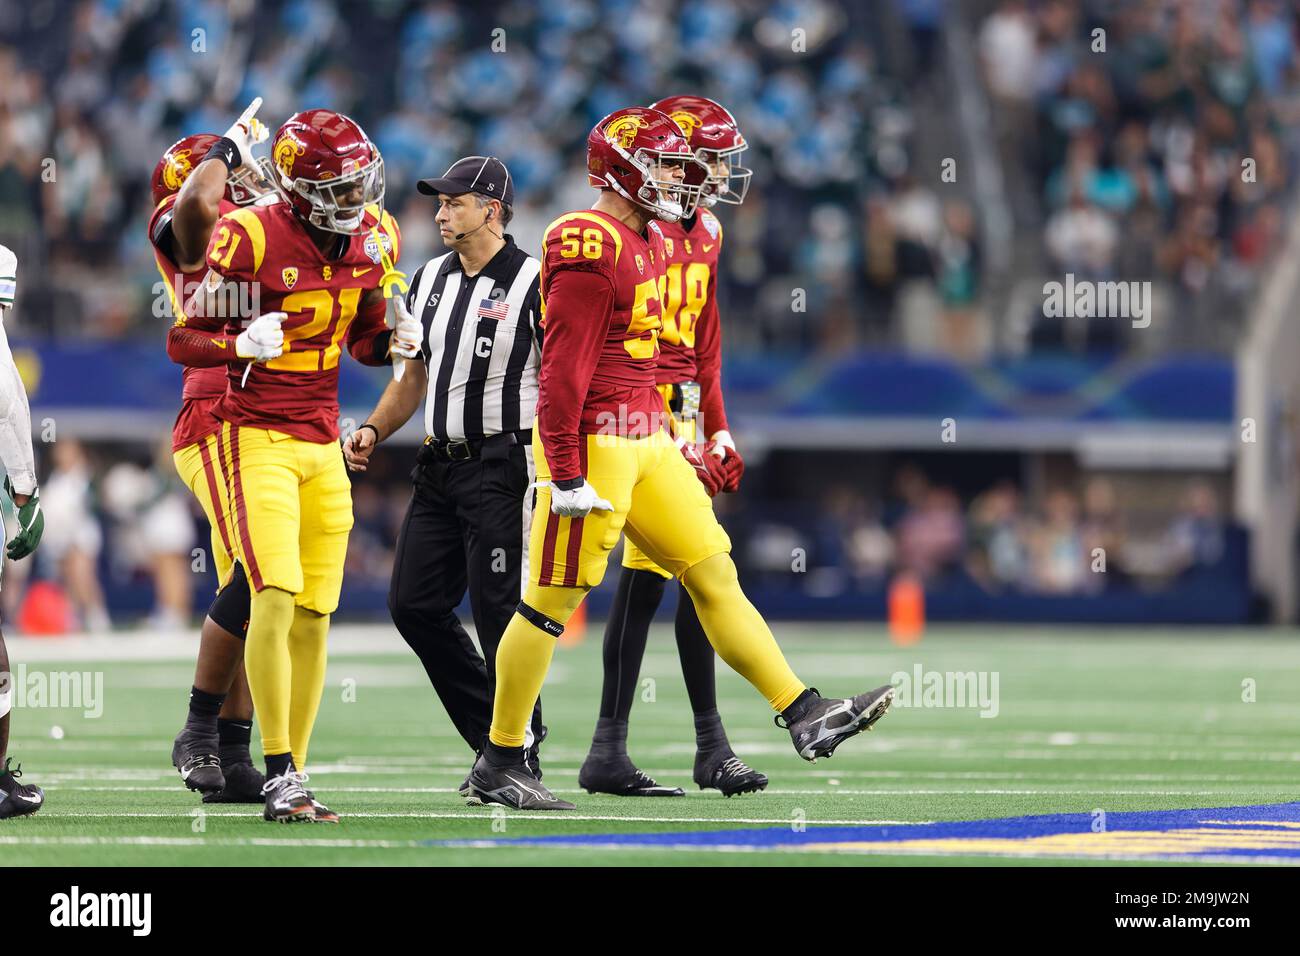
[1112, 720]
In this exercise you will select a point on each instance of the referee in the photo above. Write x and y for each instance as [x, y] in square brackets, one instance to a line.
[467, 525]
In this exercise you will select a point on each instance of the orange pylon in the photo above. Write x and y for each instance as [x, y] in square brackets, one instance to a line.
[906, 609]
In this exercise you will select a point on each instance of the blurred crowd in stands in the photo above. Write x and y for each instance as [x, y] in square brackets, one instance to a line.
[120, 523]
[1120, 129]
[105, 88]
[1069, 539]
[1153, 140]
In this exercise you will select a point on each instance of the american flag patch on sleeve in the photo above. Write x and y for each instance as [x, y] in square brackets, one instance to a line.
[493, 309]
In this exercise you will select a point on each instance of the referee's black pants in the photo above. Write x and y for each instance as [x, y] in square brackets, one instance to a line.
[465, 529]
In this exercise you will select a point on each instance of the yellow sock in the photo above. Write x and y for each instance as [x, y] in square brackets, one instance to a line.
[523, 658]
[270, 670]
[738, 632]
[307, 647]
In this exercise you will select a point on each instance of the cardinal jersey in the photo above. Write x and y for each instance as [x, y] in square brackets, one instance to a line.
[201, 387]
[601, 315]
[266, 248]
[690, 343]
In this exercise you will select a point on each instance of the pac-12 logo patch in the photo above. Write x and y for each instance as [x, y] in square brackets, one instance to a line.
[290, 276]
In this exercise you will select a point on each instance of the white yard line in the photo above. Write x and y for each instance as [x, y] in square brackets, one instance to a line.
[482, 814]
[770, 791]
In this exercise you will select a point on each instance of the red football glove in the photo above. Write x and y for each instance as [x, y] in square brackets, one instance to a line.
[708, 474]
[733, 466]
[717, 467]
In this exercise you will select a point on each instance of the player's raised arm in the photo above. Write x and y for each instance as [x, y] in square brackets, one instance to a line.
[228, 168]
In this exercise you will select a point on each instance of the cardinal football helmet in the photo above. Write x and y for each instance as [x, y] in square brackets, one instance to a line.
[327, 169]
[715, 137]
[244, 186]
[623, 151]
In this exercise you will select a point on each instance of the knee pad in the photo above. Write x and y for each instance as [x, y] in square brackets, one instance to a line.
[556, 603]
[229, 609]
[711, 578]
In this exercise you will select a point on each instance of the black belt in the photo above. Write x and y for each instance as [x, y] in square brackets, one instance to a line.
[472, 447]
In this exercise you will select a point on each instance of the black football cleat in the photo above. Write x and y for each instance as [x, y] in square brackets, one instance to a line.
[244, 784]
[513, 787]
[464, 788]
[195, 756]
[323, 813]
[287, 800]
[723, 770]
[17, 799]
[830, 721]
[620, 777]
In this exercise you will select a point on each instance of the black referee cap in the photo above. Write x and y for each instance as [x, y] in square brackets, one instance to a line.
[485, 175]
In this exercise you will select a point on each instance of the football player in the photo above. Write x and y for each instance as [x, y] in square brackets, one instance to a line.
[605, 466]
[314, 262]
[689, 378]
[198, 179]
[16, 799]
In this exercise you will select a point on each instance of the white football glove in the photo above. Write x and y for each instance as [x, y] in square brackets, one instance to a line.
[247, 132]
[578, 503]
[8, 277]
[408, 336]
[262, 340]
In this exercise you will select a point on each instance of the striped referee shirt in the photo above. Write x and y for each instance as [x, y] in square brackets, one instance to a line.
[482, 343]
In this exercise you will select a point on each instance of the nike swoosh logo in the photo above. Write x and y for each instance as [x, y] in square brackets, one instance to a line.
[358, 275]
[219, 343]
[708, 248]
[22, 796]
